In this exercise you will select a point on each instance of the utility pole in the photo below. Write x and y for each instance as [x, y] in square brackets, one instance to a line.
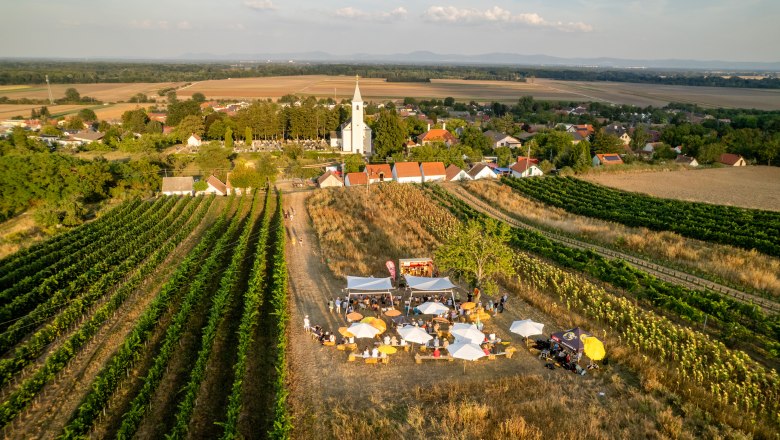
[48, 86]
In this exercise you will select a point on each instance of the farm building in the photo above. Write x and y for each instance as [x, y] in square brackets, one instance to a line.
[353, 179]
[379, 173]
[215, 186]
[455, 174]
[525, 168]
[194, 141]
[433, 171]
[686, 160]
[502, 140]
[329, 180]
[732, 160]
[481, 171]
[407, 172]
[607, 159]
[177, 186]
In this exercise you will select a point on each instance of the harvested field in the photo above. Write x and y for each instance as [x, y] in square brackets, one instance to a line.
[106, 92]
[755, 187]
[104, 112]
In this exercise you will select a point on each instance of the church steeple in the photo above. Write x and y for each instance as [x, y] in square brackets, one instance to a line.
[357, 97]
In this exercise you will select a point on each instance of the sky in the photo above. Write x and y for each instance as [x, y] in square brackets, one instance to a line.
[731, 30]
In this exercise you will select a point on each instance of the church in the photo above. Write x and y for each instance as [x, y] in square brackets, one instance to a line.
[354, 135]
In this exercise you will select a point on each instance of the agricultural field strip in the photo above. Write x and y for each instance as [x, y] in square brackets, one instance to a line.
[220, 302]
[660, 271]
[211, 249]
[33, 347]
[763, 331]
[282, 422]
[731, 376]
[746, 228]
[253, 300]
[58, 360]
[106, 266]
[24, 257]
[57, 262]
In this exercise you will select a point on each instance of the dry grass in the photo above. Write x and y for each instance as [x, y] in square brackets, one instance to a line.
[748, 268]
[18, 233]
[106, 92]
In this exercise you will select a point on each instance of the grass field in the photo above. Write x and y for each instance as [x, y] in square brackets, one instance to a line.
[377, 89]
[748, 187]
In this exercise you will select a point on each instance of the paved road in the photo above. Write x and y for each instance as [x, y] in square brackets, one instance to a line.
[659, 271]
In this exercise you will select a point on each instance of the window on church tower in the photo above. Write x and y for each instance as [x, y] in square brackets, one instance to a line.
[357, 107]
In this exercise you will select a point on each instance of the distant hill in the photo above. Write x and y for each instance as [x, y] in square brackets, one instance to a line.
[426, 57]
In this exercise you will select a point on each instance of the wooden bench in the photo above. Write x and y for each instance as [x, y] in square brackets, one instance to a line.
[350, 347]
[418, 358]
[373, 360]
[329, 343]
[405, 347]
[508, 353]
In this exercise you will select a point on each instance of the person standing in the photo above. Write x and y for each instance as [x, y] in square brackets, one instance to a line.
[330, 305]
[338, 304]
[306, 326]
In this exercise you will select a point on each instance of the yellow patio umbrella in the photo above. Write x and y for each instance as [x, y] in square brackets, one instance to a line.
[594, 349]
[345, 332]
[354, 316]
[393, 313]
[387, 349]
[376, 323]
[468, 305]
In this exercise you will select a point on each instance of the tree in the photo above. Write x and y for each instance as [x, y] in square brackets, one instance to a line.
[200, 185]
[171, 97]
[74, 123]
[229, 139]
[449, 101]
[479, 252]
[245, 176]
[181, 109]
[198, 97]
[87, 114]
[710, 153]
[248, 135]
[72, 95]
[135, 120]
[389, 134]
[188, 126]
[640, 138]
[607, 143]
[213, 159]
[474, 138]
[505, 156]
[353, 163]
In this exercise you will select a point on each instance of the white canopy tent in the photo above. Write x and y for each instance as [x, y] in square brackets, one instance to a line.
[428, 285]
[369, 286]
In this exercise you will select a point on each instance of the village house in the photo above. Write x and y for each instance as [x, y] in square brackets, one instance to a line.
[194, 141]
[215, 186]
[86, 137]
[686, 160]
[407, 172]
[502, 140]
[455, 174]
[732, 160]
[481, 171]
[354, 179]
[379, 173]
[437, 135]
[177, 186]
[432, 171]
[330, 180]
[607, 159]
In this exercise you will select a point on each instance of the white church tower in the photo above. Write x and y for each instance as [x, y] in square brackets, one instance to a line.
[355, 134]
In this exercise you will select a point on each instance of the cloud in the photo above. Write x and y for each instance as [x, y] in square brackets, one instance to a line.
[349, 12]
[184, 25]
[148, 24]
[260, 5]
[452, 14]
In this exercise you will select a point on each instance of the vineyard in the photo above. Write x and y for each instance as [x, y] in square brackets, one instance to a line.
[123, 327]
[746, 228]
[735, 380]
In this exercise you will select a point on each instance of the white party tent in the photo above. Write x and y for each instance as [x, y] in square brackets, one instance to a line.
[428, 285]
[369, 286]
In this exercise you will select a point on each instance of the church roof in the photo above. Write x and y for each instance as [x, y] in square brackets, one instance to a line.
[357, 96]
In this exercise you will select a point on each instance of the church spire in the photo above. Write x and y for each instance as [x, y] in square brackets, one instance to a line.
[357, 97]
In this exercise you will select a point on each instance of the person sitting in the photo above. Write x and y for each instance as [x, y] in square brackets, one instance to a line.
[366, 353]
[383, 355]
[485, 350]
[436, 342]
[375, 352]
[445, 344]
[386, 340]
[351, 339]
[393, 341]
[403, 342]
[436, 352]
[332, 338]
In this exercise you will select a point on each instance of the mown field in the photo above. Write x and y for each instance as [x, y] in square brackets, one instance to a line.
[161, 318]
[377, 89]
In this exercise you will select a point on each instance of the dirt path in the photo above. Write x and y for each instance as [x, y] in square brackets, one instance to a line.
[53, 407]
[661, 272]
[321, 375]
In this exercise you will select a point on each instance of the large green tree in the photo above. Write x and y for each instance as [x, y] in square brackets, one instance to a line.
[181, 109]
[212, 158]
[607, 143]
[474, 138]
[389, 134]
[479, 252]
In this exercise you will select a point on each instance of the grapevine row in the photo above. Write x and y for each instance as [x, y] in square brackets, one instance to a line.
[219, 304]
[746, 228]
[106, 383]
[58, 360]
[249, 321]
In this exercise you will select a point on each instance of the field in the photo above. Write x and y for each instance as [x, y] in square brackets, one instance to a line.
[106, 112]
[377, 89]
[756, 187]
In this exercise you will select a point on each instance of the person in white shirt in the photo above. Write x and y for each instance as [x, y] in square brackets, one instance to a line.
[306, 326]
[386, 340]
[375, 352]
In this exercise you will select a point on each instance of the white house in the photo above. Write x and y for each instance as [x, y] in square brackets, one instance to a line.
[686, 160]
[732, 160]
[525, 168]
[502, 140]
[481, 171]
[352, 179]
[177, 186]
[407, 172]
[215, 186]
[355, 134]
[194, 141]
[433, 171]
[378, 173]
[607, 159]
[330, 180]
[455, 174]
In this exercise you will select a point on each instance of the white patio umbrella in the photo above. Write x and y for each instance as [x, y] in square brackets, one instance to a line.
[432, 308]
[466, 351]
[467, 333]
[526, 328]
[363, 330]
[414, 334]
